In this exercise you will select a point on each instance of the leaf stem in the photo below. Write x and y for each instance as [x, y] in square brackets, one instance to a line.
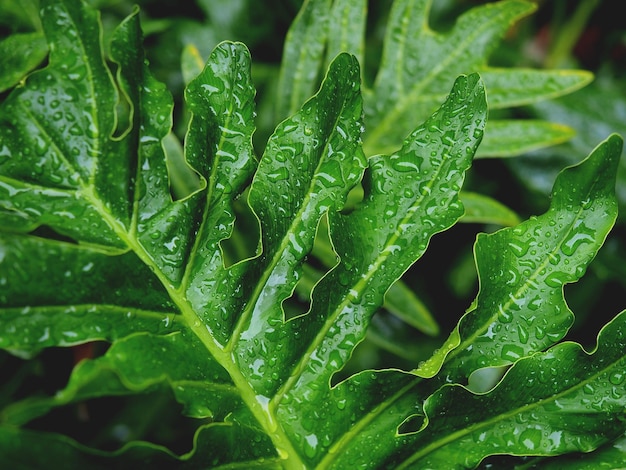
[262, 413]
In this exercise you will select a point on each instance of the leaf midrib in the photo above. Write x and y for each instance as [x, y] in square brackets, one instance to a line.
[195, 325]
[285, 242]
[531, 280]
[359, 287]
[335, 451]
[90, 81]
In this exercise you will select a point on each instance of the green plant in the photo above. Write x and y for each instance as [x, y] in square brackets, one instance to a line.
[94, 249]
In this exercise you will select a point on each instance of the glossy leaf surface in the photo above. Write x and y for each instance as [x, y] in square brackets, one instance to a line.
[96, 246]
[19, 54]
[521, 308]
[524, 414]
[479, 208]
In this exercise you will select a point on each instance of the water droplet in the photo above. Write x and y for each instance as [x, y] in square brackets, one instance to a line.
[540, 332]
[434, 128]
[278, 174]
[617, 377]
[503, 315]
[522, 334]
[531, 438]
[556, 279]
[554, 258]
[511, 352]
[589, 389]
[405, 163]
[535, 303]
[579, 235]
[310, 445]
[519, 248]
[75, 130]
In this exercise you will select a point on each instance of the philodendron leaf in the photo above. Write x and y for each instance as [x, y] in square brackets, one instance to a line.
[520, 308]
[217, 445]
[19, 54]
[347, 23]
[418, 65]
[551, 403]
[510, 138]
[483, 209]
[563, 400]
[416, 70]
[607, 457]
[93, 246]
[303, 60]
[391, 234]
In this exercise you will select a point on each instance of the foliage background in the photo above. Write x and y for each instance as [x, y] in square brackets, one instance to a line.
[561, 34]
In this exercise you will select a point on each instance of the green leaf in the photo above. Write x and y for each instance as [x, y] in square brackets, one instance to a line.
[347, 23]
[390, 334]
[19, 54]
[594, 112]
[510, 138]
[309, 47]
[563, 400]
[20, 15]
[55, 130]
[191, 63]
[311, 163]
[399, 299]
[483, 209]
[110, 230]
[404, 304]
[54, 295]
[517, 87]
[391, 237]
[303, 56]
[520, 308]
[218, 444]
[413, 85]
[419, 64]
[194, 379]
[608, 456]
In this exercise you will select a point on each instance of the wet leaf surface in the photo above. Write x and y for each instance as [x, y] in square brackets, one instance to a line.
[95, 246]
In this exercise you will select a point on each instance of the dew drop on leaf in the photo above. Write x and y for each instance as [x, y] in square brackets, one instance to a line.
[522, 334]
[530, 438]
[310, 445]
[278, 174]
[554, 258]
[579, 235]
[556, 279]
[511, 352]
[540, 332]
[617, 377]
[406, 163]
[589, 389]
